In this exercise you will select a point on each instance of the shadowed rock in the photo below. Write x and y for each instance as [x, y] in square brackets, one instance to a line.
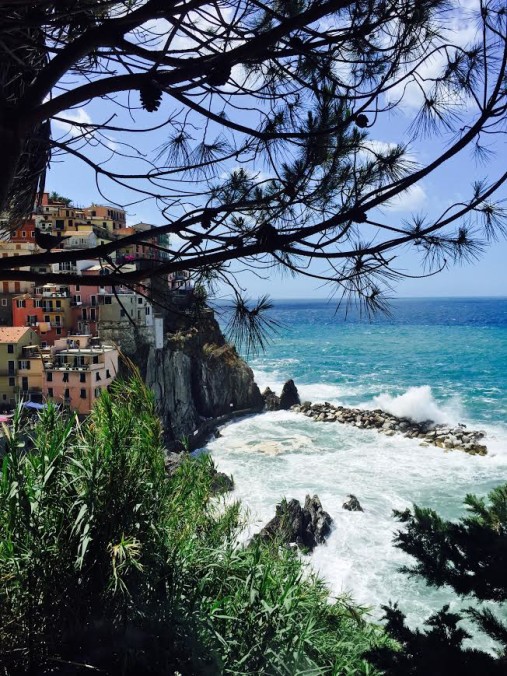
[305, 526]
[289, 396]
[271, 400]
[353, 504]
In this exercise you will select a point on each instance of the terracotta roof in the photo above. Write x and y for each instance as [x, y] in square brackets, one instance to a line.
[11, 334]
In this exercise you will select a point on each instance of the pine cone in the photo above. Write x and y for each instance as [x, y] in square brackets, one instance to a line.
[151, 96]
[362, 121]
[219, 75]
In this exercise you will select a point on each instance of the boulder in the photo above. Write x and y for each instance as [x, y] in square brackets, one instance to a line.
[352, 504]
[304, 526]
[221, 483]
[289, 396]
[271, 400]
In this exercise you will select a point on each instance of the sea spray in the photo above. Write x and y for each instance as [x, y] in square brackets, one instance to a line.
[419, 404]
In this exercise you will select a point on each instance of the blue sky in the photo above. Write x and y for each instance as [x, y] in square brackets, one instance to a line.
[485, 277]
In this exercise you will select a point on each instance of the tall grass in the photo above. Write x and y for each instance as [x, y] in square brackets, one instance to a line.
[106, 562]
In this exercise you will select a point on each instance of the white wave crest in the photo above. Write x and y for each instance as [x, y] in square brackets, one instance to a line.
[418, 404]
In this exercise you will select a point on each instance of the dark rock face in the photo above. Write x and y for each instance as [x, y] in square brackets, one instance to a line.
[197, 375]
[305, 526]
[221, 483]
[353, 504]
[271, 400]
[289, 396]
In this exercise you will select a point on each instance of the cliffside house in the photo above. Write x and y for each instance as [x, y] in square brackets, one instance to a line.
[18, 344]
[78, 368]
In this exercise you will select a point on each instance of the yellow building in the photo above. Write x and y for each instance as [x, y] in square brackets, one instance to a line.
[14, 367]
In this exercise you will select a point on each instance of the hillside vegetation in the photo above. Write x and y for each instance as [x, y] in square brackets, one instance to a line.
[109, 565]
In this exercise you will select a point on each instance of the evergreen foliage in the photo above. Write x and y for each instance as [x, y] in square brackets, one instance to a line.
[254, 128]
[107, 562]
[470, 556]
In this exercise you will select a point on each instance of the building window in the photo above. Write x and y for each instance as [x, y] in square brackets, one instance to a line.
[95, 358]
[108, 373]
[23, 233]
[12, 382]
[49, 377]
[140, 300]
[24, 365]
[10, 348]
[147, 311]
[97, 392]
[97, 377]
[58, 303]
[47, 318]
[21, 303]
[4, 302]
[58, 331]
[11, 367]
[108, 300]
[32, 234]
[82, 377]
[66, 393]
[50, 391]
[17, 287]
[78, 288]
[82, 394]
[24, 384]
[65, 377]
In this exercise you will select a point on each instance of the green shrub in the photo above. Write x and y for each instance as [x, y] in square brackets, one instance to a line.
[106, 561]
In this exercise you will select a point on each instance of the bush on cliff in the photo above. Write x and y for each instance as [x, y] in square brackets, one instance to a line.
[108, 562]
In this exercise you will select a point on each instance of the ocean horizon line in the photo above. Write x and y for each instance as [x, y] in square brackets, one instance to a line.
[391, 299]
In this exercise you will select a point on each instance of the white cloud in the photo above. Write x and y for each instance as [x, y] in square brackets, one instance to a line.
[409, 200]
[68, 119]
[461, 31]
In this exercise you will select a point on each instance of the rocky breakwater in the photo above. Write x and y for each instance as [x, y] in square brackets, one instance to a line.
[428, 432]
[199, 381]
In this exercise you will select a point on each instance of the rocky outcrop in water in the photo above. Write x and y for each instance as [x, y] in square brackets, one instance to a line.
[428, 432]
[305, 526]
[352, 504]
[289, 396]
[271, 400]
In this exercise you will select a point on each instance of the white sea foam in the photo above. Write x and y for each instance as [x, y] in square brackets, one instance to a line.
[418, 404]
[298, 456]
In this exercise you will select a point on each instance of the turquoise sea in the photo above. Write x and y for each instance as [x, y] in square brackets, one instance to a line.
[444, 359]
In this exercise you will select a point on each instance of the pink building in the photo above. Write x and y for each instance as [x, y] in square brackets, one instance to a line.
[79, 368]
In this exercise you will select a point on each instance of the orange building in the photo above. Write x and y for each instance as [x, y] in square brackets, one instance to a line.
[25, 232]
[109, 216]
[47, 311]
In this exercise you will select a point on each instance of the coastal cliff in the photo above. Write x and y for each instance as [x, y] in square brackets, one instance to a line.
[196, 376]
